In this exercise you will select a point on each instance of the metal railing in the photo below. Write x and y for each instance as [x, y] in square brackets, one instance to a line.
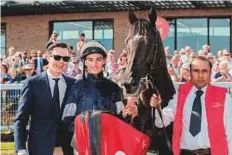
[10, 94]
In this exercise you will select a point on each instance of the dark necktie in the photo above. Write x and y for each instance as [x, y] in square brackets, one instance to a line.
[195, 120]
[56, 94]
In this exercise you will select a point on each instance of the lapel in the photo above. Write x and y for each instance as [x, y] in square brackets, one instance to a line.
[47, 89]
[68, 83]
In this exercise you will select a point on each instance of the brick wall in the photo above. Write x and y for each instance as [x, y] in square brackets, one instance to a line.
[32, 32]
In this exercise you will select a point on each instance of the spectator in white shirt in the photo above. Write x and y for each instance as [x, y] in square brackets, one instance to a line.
[227, 57]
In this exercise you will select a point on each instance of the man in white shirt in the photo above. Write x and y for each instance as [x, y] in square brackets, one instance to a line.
[201, 113]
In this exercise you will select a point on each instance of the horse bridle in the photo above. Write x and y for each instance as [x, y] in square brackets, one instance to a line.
[149, 79]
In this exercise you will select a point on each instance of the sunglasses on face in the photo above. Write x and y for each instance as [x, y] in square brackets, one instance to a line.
[58, 57]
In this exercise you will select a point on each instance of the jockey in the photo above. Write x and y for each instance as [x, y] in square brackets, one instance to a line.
[94, 91]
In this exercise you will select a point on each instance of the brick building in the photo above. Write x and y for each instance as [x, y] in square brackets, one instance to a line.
[28, 26]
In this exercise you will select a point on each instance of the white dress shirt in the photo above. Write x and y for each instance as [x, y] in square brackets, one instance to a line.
[62, 88]
[61, 84]
[201, 140]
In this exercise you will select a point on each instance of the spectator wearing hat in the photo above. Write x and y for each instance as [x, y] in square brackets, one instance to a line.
[94, 91]
[28, 71]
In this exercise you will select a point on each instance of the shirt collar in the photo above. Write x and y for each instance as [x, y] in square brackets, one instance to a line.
[51, 77]
[97, 77]
[203, 89]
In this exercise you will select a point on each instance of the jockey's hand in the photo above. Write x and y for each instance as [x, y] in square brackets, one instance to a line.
[155, 100]
[131, 107]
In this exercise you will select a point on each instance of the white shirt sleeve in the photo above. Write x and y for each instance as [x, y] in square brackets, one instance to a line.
[22, 152]
[168, 113]
[228, 122]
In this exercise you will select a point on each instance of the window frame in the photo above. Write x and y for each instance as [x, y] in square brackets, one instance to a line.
[51, 25]
[4, 25]
[208, 26]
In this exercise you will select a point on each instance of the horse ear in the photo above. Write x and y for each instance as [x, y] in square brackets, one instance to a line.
[132, 17]
[152, 16]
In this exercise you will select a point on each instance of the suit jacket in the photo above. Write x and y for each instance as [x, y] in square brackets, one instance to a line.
[45, 62]
[36, 102]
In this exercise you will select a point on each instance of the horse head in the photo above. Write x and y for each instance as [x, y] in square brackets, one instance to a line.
[146, 57]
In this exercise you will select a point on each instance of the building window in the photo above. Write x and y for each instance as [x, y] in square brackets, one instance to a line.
[103, 32]
[219, 34]
[170, 40]
[191, 32]
[196, 32]
[69, 31]
[3, 39]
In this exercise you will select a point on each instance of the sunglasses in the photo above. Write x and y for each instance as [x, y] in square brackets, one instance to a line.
[58, 57]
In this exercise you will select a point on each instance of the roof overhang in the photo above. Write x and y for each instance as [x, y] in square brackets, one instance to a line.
[27, 7]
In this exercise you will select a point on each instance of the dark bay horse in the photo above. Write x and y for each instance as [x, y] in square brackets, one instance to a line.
[146, 72]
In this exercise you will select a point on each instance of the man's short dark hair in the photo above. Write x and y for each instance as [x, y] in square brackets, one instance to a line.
[52, 46]
[82, 34]
[203, 59]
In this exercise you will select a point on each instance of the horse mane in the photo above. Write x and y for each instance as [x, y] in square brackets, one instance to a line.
[146, 38]
[145, 56]
[160, 73]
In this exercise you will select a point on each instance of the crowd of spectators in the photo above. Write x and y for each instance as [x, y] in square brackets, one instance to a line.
[18, 66]
[179, 69]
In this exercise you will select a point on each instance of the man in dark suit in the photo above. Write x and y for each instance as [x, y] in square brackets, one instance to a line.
[42, 100]
[40, 62]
